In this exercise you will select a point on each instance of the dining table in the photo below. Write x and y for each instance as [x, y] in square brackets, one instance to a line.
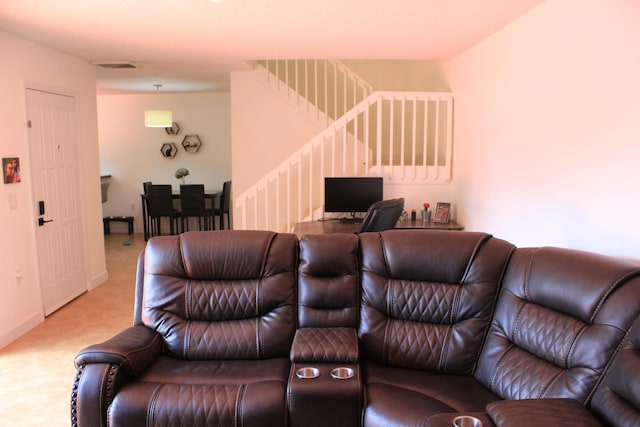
[212, 196]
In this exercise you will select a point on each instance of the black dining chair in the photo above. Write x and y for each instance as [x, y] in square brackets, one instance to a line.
[146, 221]
[225, 205]
[160, 205]
[382, 215]
[193, 205]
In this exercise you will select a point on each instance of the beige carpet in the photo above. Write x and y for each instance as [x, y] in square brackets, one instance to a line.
[36, 371]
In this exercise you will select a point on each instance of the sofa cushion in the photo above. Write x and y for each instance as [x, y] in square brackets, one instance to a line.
[427, 297]
[222, 295]
[257, 404]
[540, 412]
[170, 370]
[617, 400]
[560, 316]
[329, 281]
[409, 397]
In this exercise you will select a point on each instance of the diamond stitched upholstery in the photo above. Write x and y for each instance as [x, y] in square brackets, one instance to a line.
[560, 316]
[228, 297]
[191, 405]
[324, 345]
[255, 404]
[427, 300]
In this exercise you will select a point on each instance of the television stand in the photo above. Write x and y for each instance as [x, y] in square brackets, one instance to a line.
[336, 226]
[352, 220]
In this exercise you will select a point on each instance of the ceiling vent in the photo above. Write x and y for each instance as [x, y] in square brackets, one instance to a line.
[115, 65]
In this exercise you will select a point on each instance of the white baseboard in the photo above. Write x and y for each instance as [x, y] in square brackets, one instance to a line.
[21, 329]
[98, 280]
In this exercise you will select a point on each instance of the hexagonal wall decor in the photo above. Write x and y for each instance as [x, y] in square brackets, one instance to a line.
[191, 143]
[173, 130]
[169, 150]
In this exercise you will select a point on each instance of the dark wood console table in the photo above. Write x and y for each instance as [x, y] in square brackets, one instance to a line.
[107, 220]
[335, 226]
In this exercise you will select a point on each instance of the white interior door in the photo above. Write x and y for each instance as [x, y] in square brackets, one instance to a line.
[59, 235]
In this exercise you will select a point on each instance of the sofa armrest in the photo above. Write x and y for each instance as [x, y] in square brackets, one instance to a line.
[132, 350]
[325, 345]
[103, 368]
[541, 412]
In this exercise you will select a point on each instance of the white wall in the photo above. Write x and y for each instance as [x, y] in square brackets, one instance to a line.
[266, 129]
[400, 75]
[32, 65]
[547, 128]
[130, 153]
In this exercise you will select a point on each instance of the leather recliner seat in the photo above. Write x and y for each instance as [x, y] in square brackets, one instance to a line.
[215, 320]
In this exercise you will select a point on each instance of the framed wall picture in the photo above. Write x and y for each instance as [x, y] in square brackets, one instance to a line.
[11, 168]
[443, 213]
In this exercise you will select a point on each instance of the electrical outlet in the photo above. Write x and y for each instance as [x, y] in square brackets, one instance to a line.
[13, 202]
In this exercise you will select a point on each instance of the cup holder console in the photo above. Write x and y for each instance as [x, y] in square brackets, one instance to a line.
[325, 394]
[308, 373]
[342, 373]
[466, 421]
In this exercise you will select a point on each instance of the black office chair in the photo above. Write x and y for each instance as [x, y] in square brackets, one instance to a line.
[382, 215]
[192, 205]
[159, 205]
[225, 205]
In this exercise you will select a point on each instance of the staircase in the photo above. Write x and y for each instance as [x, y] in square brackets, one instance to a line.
[405, 137]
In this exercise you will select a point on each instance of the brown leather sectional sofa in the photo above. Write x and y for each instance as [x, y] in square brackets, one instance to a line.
[398, 328]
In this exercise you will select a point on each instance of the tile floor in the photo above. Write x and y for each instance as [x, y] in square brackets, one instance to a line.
[36, 370]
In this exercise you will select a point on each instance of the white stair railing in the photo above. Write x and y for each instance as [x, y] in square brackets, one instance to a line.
[324, 87]
[402, 136]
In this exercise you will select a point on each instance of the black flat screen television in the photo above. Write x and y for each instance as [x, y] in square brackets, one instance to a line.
[351, 194]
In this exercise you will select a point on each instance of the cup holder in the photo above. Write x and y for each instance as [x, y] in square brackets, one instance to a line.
[342, 373]
[466, 421]
[308, 373]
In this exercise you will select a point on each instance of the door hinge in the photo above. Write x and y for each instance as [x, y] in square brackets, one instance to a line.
[29, 123]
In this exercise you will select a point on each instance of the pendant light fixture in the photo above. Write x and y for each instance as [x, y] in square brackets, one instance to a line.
[158, 118]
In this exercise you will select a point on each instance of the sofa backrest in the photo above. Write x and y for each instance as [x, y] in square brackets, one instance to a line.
[560, 316]
[329, 281]
[428, 296]
[616, 401]
[221, 294]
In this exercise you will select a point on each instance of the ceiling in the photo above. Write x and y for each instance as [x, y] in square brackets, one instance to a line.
[193, 45]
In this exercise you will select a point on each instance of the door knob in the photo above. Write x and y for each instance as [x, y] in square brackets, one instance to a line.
[42, 221]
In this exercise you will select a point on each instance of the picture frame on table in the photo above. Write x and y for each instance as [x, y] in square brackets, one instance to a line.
[443, 213]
